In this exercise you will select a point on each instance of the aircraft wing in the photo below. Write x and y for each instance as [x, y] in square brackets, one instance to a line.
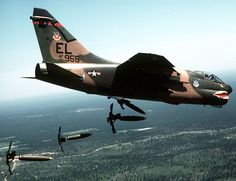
[145, 64]
[150, 61]
[143, 72]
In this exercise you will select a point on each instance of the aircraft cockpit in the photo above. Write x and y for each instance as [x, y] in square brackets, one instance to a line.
[209, 76]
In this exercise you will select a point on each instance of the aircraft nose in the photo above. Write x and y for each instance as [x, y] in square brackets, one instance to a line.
[229, 89]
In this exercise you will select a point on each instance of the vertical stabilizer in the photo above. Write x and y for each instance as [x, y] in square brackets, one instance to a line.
[57, 45]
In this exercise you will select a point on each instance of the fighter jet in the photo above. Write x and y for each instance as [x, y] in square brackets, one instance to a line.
[145, 76]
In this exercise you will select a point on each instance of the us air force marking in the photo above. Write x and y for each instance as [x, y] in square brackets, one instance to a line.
[195, 83]
[94, 73]
[56, 36]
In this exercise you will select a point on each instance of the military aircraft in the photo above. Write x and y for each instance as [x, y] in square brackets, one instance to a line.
[66, 62]
[61, 139]
[11, 156]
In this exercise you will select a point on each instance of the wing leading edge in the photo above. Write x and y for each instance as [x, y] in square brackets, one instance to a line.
[148, 60]
[143, 73]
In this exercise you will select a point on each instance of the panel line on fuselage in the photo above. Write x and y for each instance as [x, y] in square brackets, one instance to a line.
[84, 65]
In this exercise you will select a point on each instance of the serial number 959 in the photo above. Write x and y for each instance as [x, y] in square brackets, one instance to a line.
[72, 58]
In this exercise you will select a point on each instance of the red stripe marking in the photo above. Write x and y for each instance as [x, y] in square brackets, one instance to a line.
[46, 23]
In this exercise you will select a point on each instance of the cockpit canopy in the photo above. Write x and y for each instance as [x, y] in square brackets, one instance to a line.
[209, 76]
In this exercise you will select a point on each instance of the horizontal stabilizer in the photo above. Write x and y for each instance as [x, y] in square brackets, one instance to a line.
[61, 71]
[54, 71]
[28, 77]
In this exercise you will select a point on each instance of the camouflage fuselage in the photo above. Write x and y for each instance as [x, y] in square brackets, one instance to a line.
[66, 62]
[104, 79]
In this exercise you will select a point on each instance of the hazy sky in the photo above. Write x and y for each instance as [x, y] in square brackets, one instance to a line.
[195, 34]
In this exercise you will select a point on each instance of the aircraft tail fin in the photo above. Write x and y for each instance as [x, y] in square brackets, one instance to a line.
[57, 45]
